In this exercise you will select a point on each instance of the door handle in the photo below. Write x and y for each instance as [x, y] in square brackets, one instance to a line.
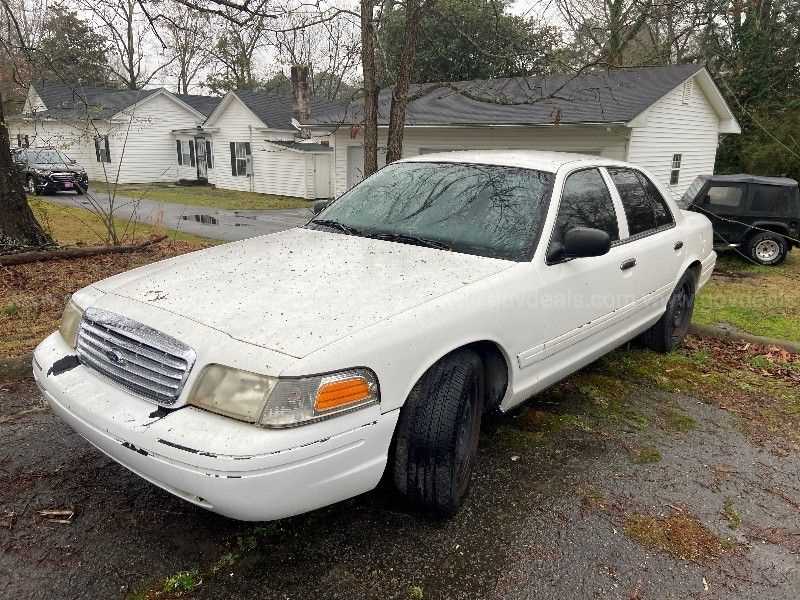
[628, 264]
[678, 246]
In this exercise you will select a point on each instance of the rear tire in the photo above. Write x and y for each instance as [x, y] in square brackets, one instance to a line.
[669, 331]
[437, 434]
[767, 248]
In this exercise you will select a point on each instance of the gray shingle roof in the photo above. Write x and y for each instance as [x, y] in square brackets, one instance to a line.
[603, 97]
[76, 101]
[275, 110]
[202, 104]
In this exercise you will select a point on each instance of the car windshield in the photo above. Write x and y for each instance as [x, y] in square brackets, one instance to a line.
[488, 210]
[50, 157]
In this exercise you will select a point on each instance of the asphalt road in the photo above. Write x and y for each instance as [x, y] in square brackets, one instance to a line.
[204, 221]
[548, 517]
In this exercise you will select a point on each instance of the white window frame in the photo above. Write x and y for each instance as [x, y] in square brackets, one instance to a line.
[242, 162]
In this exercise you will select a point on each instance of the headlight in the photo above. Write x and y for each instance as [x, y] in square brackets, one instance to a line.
[283, 402]
[70, 321]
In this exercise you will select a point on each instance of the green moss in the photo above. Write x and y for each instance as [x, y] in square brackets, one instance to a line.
[645, 456]
[731, 514]
[415, 592]
[10, 309]
[680, 535]
[677, 420]
[185, 581]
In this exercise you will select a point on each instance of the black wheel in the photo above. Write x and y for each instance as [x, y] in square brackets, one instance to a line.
[668, 333]
[437, 434]
[78, 189]
[767, 248]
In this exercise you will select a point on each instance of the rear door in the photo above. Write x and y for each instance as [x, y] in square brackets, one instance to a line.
[653, 244]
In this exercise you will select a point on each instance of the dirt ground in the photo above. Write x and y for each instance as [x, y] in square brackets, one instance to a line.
[623, 482]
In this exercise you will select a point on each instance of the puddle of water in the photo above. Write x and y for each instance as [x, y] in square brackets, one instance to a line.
[204, 219]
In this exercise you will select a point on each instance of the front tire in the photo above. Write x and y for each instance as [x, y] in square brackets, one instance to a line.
[437, 434]
[767, 248]
[669, 331]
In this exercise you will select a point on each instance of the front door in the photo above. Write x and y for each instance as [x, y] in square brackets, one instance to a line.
[724, 204]
[200, 151]
[571, 311]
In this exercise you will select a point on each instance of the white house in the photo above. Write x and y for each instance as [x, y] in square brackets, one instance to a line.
[117, 135]
[254, 146]
[667, 119]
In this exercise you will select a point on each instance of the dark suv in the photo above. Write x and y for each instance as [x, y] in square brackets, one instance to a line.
[47, 170]
[760, 215]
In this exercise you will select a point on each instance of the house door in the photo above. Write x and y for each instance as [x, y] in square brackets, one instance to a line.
[200, 151]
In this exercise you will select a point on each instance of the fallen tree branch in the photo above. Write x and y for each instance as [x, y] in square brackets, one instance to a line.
[29, 257]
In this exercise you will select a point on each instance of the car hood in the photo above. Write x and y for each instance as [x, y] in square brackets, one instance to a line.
[56, 167]
[301, 289]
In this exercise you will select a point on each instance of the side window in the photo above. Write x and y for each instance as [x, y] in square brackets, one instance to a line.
[585, 202]
[645, 208]
[770, 199]
[724, 196]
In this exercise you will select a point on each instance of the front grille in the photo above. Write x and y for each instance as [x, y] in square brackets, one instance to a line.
[143, 360]
[63, 176]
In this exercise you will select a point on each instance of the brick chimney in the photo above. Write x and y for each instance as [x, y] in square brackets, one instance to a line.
[301, 106]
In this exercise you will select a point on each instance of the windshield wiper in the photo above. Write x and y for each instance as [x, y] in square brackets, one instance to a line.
[336, 225]
[405, 238]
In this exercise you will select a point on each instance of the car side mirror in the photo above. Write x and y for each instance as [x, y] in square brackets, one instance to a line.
[580, 242]
[320, 205]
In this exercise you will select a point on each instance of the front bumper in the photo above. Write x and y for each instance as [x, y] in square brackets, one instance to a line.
[62, 183]
[232, 468]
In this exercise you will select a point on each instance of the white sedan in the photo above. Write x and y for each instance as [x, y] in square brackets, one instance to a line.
[276, 375]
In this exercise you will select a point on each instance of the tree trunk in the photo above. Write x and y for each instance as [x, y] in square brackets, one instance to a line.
[18, 227]
[397, 113]
[370, 87]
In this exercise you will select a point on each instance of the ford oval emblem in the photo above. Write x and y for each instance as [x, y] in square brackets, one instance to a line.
[113, 357]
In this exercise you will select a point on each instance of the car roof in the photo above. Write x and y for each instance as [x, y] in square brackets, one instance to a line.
[539, 160]
[745, 178]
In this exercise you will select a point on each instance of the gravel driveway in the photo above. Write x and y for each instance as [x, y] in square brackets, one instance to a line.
[627, 492]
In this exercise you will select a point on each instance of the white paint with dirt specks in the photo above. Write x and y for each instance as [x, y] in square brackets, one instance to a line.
[303, 302]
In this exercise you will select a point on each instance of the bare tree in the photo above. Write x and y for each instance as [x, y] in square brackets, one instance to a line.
[330, 48]
[188, 38]
[130, 30]
[234, 53]
[608, 27]
[370, 73]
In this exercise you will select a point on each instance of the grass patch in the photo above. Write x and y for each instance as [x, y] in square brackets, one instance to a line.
[204, 196]
[415, 592]
[73, 226]
[646, 456]
[731, 515]
[677, 420]
[755, 299]
[681, 536]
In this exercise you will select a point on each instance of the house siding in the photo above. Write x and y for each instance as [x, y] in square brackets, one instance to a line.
[610, 142]
[141, 145]
[673, 127]
[276, 170]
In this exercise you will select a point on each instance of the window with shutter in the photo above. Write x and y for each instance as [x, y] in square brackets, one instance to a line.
[191, 153]
[209, 157]
[180, 155]
[240, 158]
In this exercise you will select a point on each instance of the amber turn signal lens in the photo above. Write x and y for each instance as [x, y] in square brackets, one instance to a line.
[338, 394]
